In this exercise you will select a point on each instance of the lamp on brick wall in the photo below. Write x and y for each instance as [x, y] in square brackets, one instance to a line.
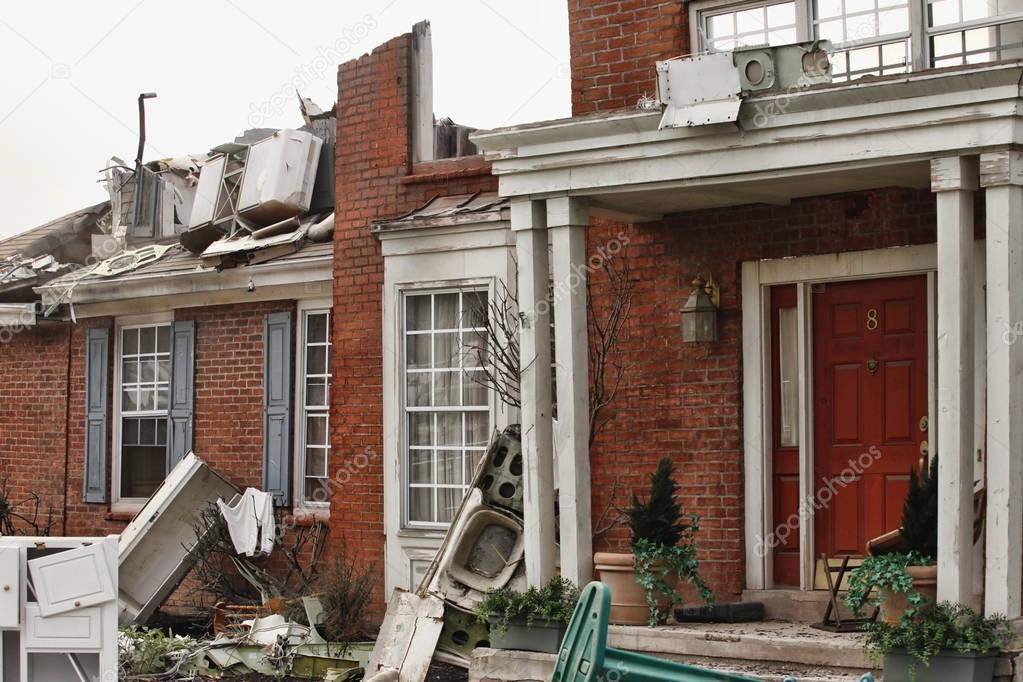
[700, 313]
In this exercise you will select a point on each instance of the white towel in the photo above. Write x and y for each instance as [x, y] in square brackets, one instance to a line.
[254, 512]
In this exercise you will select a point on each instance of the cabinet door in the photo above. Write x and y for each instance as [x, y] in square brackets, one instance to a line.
[72, 580]
[81, 630]
[10, 588]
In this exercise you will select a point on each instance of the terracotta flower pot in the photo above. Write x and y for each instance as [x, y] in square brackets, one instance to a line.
[925, 581]
[628, 598]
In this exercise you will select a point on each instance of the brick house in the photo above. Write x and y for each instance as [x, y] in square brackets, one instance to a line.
[832, 224]
[831, 217]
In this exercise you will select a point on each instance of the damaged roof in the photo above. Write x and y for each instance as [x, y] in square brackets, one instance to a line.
[456, 209]
[47, 238]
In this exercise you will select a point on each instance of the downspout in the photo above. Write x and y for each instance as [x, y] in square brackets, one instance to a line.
[67, 427]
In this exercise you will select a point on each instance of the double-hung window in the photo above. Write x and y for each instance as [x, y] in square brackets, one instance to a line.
[313, 424]
[143, 399]
[446, 408]
[868, 37]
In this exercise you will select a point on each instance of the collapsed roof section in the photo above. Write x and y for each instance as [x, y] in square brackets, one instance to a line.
[36, 256]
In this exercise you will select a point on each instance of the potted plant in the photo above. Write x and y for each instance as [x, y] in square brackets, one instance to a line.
[906, 581]
[534, 620]
[644, 583]
[948, 642]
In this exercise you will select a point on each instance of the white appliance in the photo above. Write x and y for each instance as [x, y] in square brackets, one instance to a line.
[279, 175]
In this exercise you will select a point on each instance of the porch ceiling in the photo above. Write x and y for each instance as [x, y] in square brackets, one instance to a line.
[642, 204]
[870, 133]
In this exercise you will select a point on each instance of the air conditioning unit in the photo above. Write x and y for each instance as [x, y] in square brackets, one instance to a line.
[708, 88]
[786, 66]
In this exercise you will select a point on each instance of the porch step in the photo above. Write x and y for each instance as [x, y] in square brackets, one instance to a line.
[769, 650]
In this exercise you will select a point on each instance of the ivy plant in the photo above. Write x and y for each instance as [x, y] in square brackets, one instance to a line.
[945, 627]
[663, 544]
[884, 573]
[552, 604]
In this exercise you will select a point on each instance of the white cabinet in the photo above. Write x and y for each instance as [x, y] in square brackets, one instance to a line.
[75, 631]
[61, 623]
[72, 580]
[10, 588]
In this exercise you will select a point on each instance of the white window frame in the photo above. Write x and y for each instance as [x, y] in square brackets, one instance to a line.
[404, 292]
[699, 11]
[321, 305]
[118, 503]
[919, 35]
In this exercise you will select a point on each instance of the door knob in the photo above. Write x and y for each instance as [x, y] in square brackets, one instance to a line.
[872, 365]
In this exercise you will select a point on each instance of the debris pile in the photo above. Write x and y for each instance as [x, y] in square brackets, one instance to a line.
[482, 551]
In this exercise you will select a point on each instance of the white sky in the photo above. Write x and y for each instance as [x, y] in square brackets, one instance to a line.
[73, 70]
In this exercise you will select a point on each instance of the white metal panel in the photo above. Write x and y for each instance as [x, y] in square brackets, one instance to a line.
[9, 587]
[152, 554]
[204, 205]
[699, 90]
[72, 580]
[279, 176]
[68, 631]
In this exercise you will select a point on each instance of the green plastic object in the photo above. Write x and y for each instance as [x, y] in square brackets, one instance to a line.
[585, 656]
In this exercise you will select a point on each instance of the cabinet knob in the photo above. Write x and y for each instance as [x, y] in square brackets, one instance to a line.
[77, 604]
[7, 588]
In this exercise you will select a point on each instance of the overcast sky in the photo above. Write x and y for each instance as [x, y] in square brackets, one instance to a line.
[73, 70]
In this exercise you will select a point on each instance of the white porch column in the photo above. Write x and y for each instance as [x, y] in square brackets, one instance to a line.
[529, 221]
[1002, 178]
[568, 219]
[954, 179]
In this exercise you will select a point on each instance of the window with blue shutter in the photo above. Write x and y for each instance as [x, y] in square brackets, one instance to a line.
[97, 359]
[277, 406]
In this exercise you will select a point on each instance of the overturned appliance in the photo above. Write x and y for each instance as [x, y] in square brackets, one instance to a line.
[245, 187]
[154, 550]
[482, 550]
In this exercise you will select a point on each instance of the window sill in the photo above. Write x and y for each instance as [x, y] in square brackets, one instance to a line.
[307, 516]
[121, 515]
[427, 533]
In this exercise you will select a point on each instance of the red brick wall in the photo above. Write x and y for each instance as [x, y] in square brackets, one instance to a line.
[228, 403]
[685, 400]
[614, 45]
[375, 179]
[33, 416]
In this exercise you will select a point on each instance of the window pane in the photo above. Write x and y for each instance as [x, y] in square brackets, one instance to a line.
[163, 338]
[130, 342]
[317, 490]
[316, 430]
[147, 340]
[316, 392]
[475, 309]
[944, 12]
[417, 389]
[720, 25]
[163, 398]
[420, 466]
[446, 311]
[449, 467]
[474, 349]
[417, 351]
[829, 8]
[445, 350]
[421, 504]
[129, 371]
[447, 503]
[420, 428]
[129, 400]
[477, 426]
[316, 360]
[449, 428]
[445, 388]
[316, 462]
[474, 390]
[417, 312]
[788, 371]
[316, 328]
[147, 370]
[750, 21]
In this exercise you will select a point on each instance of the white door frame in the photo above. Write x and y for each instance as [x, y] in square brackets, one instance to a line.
[757, 279]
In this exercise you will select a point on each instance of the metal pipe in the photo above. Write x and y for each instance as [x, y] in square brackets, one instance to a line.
[143, 96]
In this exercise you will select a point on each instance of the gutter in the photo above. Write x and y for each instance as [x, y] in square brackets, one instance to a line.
[17, 314]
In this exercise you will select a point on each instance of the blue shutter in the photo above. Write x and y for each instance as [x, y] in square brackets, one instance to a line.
[182, 392]
[97, 364]
[277, 406]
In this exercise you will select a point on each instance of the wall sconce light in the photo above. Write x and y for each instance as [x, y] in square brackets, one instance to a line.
[700, 313]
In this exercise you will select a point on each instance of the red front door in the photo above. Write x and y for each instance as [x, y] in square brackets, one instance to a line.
[870, 404]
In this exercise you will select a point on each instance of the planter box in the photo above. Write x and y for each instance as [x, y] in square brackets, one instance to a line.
[947, 665]
[542, 637]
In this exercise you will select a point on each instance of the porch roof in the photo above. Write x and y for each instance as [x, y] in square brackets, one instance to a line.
[869, 133]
